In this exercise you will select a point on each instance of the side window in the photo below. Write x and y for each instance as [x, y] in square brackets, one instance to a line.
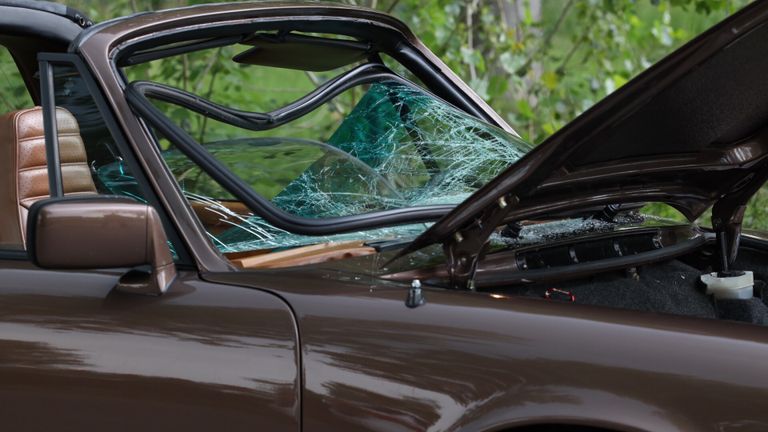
[90, 159]
[87, 150]
[86, 147]
[13, 98]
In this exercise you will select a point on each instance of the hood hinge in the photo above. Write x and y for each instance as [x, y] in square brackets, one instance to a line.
[728, 212]
[465, 248]
[726, 221]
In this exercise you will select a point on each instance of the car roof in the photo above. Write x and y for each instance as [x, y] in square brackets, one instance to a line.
[114, 31]
[41, 20]
[29, 27]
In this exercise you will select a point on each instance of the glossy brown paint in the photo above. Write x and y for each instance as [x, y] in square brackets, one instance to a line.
[59, 224]
[474, 361]
[77, 355]
[223, 353]
[81, 233]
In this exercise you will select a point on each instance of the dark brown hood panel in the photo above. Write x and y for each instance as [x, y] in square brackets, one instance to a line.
[474, 361]
[715, 104]
[685, 132]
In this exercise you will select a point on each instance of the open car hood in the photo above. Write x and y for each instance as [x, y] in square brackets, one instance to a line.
[691, 131]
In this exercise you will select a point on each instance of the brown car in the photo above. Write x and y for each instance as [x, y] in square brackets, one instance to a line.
[354, 240]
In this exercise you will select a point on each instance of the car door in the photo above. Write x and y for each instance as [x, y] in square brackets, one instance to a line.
[77, 355]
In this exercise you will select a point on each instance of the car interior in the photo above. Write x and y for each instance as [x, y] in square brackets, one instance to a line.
[22, 153]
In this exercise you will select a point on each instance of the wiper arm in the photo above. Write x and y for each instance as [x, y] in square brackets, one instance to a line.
[608, 213]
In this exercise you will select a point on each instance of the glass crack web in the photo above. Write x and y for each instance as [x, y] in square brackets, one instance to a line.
[399, 147]
[418, 150]
[249, 232]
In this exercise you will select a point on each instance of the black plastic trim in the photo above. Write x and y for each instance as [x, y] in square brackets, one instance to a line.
[488, 279]
[381, 36]
[61, 10]
[149, 55]
[37, 28]
[748, 240]
[257, 121]
[263, 207]
[50, 129]
[414, 61]
[14, 255]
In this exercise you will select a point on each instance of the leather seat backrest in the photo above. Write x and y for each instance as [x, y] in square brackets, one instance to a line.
[23, 169]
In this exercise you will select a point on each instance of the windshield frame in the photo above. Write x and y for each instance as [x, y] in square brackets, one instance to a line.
[139, 93]
[261, 206]
[104, 45]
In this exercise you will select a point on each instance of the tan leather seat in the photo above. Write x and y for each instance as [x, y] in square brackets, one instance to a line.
[23, 169]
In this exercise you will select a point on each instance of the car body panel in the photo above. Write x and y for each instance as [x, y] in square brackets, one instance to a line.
[334, 347]
[201, 357]
[478, 361]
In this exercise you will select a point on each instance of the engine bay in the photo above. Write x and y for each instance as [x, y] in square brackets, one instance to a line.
[671, 265]
[642, 264]
[671, 286]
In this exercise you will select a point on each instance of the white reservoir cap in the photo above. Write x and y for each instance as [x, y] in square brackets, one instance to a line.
[729, 287]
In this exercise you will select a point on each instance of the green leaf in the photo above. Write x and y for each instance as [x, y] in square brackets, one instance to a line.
[524, 108]
[550, 79]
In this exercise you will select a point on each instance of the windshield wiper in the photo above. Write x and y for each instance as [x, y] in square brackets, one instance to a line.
[608, 213]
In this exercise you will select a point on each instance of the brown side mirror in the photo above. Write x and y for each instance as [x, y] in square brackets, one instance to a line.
[102, 232]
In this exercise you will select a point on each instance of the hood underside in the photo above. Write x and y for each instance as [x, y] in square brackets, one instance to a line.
[688, 131]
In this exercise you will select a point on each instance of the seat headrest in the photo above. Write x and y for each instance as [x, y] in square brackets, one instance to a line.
[23, 169]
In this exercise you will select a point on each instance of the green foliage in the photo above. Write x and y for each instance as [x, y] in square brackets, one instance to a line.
[538, 63]
[13, 93]
[542, 63]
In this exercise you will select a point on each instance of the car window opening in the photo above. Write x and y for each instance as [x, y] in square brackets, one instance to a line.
[361, 143]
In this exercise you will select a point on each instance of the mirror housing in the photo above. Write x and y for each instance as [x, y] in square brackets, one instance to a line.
[97, 232]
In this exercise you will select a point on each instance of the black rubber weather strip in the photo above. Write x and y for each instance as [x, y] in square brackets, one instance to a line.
[137, 96]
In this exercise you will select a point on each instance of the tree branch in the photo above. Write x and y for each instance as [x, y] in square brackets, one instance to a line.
[470, 36]
[211, 61]
[547, 39]
[207, 96]
[571, 52]
[184, 72]
[392, 6]
[556, 27]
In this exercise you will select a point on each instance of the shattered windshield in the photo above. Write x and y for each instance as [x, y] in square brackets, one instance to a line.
[399, 147]
[392, 145]
[419, 149]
